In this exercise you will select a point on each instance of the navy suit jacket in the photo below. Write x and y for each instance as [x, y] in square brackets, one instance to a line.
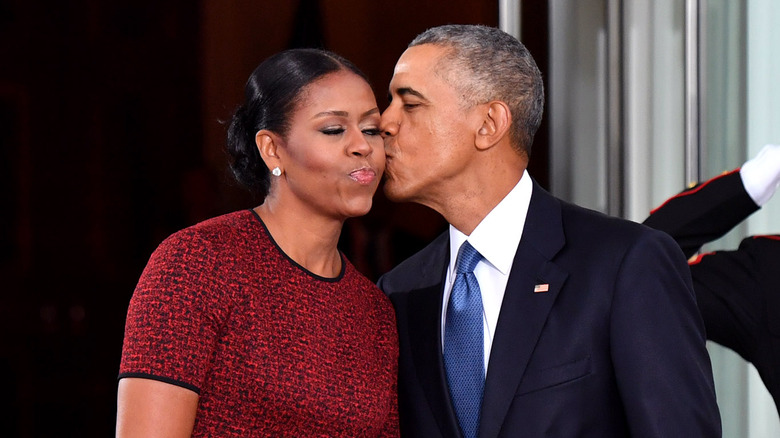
[614, 348]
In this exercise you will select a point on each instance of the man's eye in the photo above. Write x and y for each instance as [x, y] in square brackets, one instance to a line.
[332, 131]
[410, 106]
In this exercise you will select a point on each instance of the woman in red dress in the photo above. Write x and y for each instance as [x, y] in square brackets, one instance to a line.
[253, 323]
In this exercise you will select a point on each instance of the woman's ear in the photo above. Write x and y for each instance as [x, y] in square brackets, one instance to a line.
[495, 124]
[267, 144]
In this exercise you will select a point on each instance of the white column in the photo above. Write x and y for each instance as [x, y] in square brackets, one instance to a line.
[509, 17]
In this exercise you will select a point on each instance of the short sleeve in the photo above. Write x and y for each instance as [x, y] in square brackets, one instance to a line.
[176, 312]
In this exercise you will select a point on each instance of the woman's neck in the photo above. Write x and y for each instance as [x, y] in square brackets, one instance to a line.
[308, 239]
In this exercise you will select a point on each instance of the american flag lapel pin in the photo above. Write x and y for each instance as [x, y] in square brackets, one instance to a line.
[539, 288]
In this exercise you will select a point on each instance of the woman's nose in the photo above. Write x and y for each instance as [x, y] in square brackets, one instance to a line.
[359, 146]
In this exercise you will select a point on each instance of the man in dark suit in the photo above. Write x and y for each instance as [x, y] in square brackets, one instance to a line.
[738, 291]
[530, 316]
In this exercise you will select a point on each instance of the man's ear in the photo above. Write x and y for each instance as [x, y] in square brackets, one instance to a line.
[495, 124]
[267, 144]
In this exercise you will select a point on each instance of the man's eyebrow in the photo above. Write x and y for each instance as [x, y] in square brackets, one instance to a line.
[404, 91]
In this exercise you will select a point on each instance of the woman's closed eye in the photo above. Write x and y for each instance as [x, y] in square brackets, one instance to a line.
[333, 131]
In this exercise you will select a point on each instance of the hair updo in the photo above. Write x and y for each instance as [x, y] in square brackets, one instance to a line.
[271, 94]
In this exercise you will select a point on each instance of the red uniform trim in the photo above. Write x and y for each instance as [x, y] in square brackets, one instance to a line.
[697, 259]
[695, 189]
[769, 236]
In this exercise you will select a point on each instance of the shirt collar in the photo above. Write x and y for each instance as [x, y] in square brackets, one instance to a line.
[499, 233]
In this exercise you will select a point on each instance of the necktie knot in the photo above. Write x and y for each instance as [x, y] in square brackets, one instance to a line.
[468, 257]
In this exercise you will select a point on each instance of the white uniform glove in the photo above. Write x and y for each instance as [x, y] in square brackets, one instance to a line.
[761, 174]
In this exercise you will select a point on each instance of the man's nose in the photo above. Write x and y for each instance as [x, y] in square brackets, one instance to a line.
[389, 125]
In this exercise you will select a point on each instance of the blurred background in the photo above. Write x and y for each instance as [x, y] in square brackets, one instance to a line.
[112, 138]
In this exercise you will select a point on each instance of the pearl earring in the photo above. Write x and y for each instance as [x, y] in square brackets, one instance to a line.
[277, 171]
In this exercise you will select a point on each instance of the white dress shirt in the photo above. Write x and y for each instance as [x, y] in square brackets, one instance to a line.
[496, 238]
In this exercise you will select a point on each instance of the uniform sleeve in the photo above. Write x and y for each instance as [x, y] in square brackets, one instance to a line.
[737, 294]
[175, 314]
[658, 345]
[704, 212]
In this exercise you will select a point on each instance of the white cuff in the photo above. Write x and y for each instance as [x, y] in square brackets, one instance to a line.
[761, 174]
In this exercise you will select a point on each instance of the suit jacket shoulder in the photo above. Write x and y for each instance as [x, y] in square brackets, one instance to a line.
[424, 268]
[587, 230]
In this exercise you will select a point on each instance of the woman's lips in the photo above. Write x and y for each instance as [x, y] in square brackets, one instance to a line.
[363, 176]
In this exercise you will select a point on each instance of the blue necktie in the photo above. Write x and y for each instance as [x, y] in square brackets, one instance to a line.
[463, 342]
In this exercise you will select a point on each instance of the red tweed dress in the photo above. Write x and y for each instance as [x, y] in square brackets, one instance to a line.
[271, 348]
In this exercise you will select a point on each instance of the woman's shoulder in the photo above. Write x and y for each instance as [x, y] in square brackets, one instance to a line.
[202, 254]
[217, 231]
[211, 238]
[229, 224]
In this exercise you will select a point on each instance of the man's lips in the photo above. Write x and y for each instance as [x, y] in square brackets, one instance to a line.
[365, 175]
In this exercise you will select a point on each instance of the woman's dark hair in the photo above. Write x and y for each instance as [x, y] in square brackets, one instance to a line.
[271, 95]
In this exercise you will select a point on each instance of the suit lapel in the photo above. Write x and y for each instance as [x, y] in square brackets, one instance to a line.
[523, 311]
[425, 327]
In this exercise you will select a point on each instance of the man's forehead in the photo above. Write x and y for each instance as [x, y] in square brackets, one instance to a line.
[418, 59]
[415, 67]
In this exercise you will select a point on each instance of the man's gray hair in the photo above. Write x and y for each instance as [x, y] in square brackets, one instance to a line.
[497, 67]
